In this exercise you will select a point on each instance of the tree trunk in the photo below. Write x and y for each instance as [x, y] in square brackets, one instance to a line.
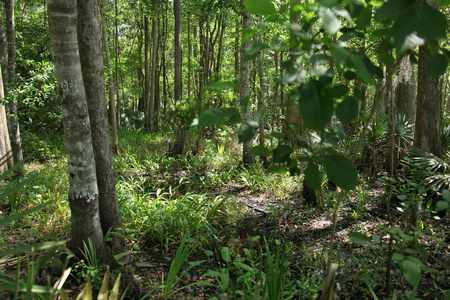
[261, 94]
[293, 120]
[6, 158]
[90, 48]
[83, 191]
[405, 91]
[148, 104]
[247, 156]
[112, 98]
[13, 123]
[428, 112]
[116, 73]
[154, 75]
[178, 54]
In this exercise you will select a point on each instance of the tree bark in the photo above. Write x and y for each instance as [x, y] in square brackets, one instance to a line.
[13, 123]
[83, 190]
[247, 156]
[405, 91]
[148, 103]
[155, 65]
[428, 112]
[6, 158]
[178, 55]
[90, 48]
[111, 96]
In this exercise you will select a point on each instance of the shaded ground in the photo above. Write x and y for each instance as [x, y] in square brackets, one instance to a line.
[288, 220]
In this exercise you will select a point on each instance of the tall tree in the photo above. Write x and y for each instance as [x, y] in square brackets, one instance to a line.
[405, 90]
[148, 103]
[247, 156]
[13, 123]
[6, 159]
[177, 51]
[90, 48]
[427, 134]
[83, 190]
[112, 98]
[154, 67]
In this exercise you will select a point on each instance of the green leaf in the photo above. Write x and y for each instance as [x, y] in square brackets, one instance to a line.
[313, 176]
[360, 238]
[219, 115]
[398, 257]
[446, 195]
[365, 17]
[341, 171]
[260, 7]
[278, 169]
[411, 271]
[259, 114]
[361, 69]
[253, 51]
[339, 91]
[260, 151]
[282, 153]
[222, 85]
[20, 215]
[29, 248]
[316, 105]
[347, 110]
[330, 22]
[442, 205]
[437, 65]
[226, 254]
[247, 131]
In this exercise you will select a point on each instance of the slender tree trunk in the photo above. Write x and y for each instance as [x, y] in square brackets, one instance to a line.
[247, 156]
[189, 57]
[116, 74]
[261, 95]
[178, 54]
[147, 77]
[13, 122]
[83, 191]
[90, 49]
[154, 75]
[428, 112]
[112, 98]
[6, 158]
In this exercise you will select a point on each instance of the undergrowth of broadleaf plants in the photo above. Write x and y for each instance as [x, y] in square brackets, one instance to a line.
[166, 200]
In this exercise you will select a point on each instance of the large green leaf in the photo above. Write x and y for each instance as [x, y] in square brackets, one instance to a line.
[411, 271]
[437, 64]
[361, 69]
[222, 85]
[247, 131]
[347, 110]
[261, 151]
[316, 105]
[364, 18]
[282, 153]
[360, 238]
[253, 51]
[341, 171]
[313, 176]
[30, 248]
[330, 22]
[260, 7]
[219, 115]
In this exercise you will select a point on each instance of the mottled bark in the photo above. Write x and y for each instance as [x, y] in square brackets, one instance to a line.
[13, 123]
[247, 156]
[6, 158]
[90, 48]
[405, 90]
[428, 112]
[83, 191]
[112, 98]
